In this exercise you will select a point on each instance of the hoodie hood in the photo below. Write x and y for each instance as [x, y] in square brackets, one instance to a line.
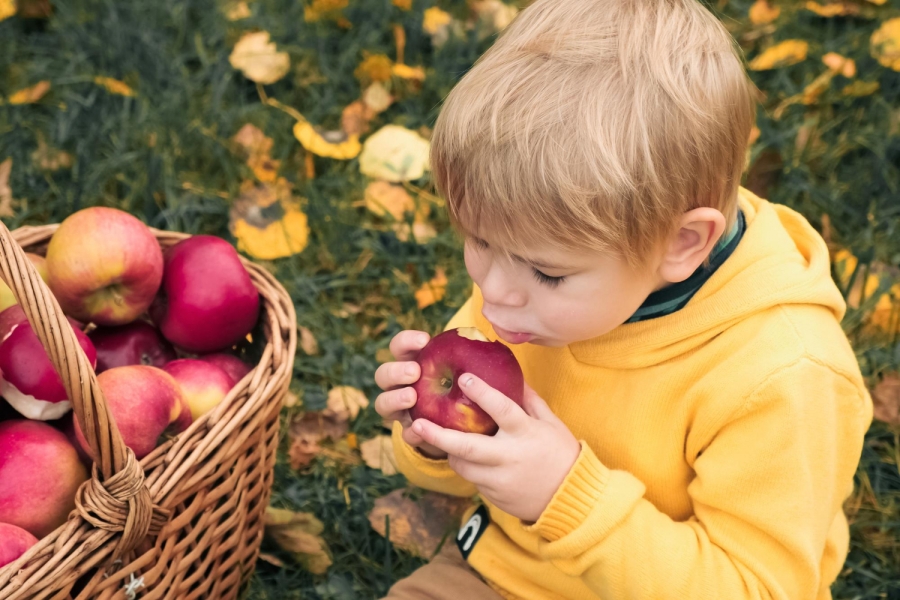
[781, 260]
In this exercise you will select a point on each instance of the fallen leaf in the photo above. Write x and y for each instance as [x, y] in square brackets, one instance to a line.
[394, 153]
[762, 13]
[308, 342]
[754, 135]
[434, 19]
[267, 221]
[418, 526]
[6, 199]
[374, 67]
[840, 64]
[258, 58]
[884, 45]
[378, 453]
[291, 399]
[861, 88]
[421, 232]
[402, 4]
[7, 9]
[377, 98]
[255, 147]
[50, 159]
[300, 534]
[788, 52]
[886, 399]
[271, 559]
[32, 94]
[834, 9]
[355, 118]
[495, 14]
[324, 9]
[306, 434]
[432, 291]
[407, 72]
[383, 198]
[344, 403]
[114, 86]
[330, 144]
[235, 11]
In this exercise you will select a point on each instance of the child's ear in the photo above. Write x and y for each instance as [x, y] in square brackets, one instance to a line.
[698, 232]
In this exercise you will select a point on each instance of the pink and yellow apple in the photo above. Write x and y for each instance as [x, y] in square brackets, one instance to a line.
[203, 384]
[39, 475]
[14, 542]
[207, 301]
[231, 364]
[444, 359]
[7, 298]
[137, 343]
[145, 402]
[104, 266]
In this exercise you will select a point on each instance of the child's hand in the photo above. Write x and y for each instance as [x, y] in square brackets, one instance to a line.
[395, 378]
[521, 467]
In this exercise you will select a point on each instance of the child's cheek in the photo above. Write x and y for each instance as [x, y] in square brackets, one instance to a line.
[477, 262]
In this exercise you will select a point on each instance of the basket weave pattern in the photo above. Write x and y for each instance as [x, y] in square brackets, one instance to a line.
[186, 521]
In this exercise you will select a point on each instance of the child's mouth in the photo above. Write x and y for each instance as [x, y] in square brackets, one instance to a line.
[513, 337]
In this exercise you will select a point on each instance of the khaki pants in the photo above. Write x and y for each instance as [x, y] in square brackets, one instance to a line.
[446, 577]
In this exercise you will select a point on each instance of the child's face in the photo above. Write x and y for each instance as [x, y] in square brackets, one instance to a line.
[553, 297]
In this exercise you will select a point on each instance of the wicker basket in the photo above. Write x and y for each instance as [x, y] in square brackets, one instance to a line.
[186, 521]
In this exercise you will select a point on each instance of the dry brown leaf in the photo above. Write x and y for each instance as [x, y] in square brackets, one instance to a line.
[6, 199]
[300, 534]
[432, 291]
[378, 453]
[355, 118]
[47, 158]
[271, 559]
[308, 342]
[886, 399]
[344, 403]
[383, 198]
[258, 58]
[418, 527]
[255, 147]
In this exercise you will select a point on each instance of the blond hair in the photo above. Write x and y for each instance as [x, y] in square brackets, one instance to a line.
[594, 124]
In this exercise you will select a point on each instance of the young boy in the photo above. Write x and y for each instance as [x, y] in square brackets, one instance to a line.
[695, 413]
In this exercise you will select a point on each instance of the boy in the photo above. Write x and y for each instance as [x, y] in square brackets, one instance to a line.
[695, 414]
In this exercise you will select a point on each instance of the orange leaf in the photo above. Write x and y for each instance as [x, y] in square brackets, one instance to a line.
[417, 527]
[30, 95]
[432, 291]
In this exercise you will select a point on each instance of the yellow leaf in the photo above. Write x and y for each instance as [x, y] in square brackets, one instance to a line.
[235, 11]
[835, 9]
[861, 88]
[494, 13]
[878, 2]
[377, 98]
[114, 86]
[378, 453]
[421, 231]
[258, 58]
[383, 198]
[432, 291]
[344, 403]
[407, 72]
[308, 342]
[394, 153]
[754, 135]
[815, 89]
[30, 95]
[324, 9]
[840, 64]
[6, 199]
[375, 67]
[7, 9]
[300, 534]
[330, 144]
[434, 19]
[267, 221]
[884, 44]
[786, 53]
[762, 12]
[402, 4]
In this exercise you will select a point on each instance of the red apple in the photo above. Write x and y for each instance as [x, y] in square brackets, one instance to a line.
[137, 343]
[104, 265]
[444, 359]
[207, 301]
[39, 475]
[14, 315]
[231, 364]
[14, 542]
[7, 298]
[30, 383]
[203, 384]
[145, 403]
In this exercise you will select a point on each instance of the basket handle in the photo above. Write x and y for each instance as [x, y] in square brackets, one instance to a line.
[115, 497]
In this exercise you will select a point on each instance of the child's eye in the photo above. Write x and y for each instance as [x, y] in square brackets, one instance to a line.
[480, 243]
[547, 280]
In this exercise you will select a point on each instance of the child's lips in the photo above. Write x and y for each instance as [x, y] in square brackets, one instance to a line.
[513, 337]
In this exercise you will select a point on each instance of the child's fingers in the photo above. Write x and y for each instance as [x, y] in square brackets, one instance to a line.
[406, 344]
[472, 447]
[415, 440]
[391, 405]
[395, 374]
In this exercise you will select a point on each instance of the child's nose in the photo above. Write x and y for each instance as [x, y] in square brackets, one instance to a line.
[500, 287]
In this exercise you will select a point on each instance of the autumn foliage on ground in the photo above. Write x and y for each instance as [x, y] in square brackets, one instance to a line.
[300, 132]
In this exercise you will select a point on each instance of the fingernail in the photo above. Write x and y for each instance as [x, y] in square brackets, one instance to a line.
[417, 428]
[410, 370]
[467, 381]
[423, 339]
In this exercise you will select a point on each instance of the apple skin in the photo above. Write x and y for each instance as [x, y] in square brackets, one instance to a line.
[137, 343]
[14, 542]
[7, 298]
[207, 301]
[14, 315]
[444, 359]
[231, 364]
[203, 384]
[145, 401]
[39, 475]
[104, 266]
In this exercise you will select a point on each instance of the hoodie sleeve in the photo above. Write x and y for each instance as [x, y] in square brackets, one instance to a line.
[769, 486]
[435, 475]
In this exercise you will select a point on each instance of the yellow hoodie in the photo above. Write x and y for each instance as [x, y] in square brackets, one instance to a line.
[718, 442]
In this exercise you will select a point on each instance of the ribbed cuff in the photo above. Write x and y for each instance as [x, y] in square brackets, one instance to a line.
[579, 493]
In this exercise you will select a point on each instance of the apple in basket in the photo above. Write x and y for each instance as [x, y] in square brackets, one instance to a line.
[231, 364]
[7, 298]
[14, 315]
[207, 301]
[39, 475]
[14, 542]
[29, 382]
[444, 359]
[137, 343]
[104, 266]
[203, 384]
